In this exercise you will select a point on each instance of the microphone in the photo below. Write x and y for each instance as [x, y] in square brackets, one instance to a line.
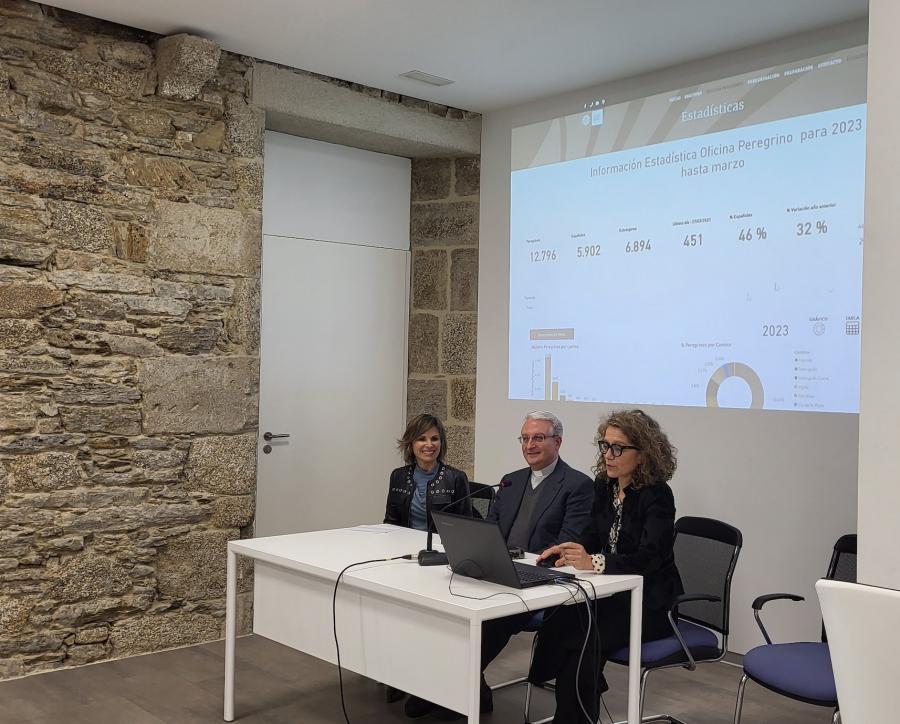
[430, 557]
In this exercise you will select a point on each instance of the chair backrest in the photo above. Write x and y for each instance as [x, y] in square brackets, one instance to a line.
[864, 626]
[842, 566]
[843, 560]
[706, 553]
[482, 498]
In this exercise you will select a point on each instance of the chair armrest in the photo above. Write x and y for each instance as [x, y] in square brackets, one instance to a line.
[761, 601]
[688, 597]
[673, 612]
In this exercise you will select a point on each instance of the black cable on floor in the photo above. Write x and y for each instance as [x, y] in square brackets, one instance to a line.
[337, 648]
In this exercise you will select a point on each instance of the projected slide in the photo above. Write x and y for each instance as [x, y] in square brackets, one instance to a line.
[709, 255]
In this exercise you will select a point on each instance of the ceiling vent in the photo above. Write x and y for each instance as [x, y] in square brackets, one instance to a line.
[426, 78]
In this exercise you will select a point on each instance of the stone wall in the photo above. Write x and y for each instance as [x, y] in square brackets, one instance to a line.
[444, 300]
[130, 196]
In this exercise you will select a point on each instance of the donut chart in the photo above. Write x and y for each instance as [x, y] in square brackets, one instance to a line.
[742, 371]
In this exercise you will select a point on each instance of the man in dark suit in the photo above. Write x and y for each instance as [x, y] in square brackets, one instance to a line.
[546, 503]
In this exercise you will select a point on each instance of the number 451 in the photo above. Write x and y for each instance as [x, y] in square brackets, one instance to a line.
[693, 240]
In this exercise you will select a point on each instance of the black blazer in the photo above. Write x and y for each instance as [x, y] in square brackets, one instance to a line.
[561, 512]
[646, 538]
[449, 485]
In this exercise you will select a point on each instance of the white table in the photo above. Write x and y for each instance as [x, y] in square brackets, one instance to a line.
[397, 621]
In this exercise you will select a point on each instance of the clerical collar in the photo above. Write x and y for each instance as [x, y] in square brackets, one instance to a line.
[538, 476]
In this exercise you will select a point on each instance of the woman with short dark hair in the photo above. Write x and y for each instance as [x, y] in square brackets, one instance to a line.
[632, 532]
[425, 484]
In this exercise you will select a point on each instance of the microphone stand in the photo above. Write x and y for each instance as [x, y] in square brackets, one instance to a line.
[430, 557]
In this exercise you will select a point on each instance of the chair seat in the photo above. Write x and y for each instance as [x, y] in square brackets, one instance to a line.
[703, 643]
[800, 671]
[535, 622]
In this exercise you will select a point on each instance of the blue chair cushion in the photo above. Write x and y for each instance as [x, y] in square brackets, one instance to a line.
[799, 671]
[535, 622]
[703, 643]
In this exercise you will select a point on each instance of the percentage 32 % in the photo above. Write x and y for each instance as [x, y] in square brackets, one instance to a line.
[747, 234]
[806, 228]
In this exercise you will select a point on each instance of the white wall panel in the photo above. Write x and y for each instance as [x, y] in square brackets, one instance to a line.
[316, 190]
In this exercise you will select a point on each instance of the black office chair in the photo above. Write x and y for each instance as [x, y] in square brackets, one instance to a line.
[801, 670]
[706, 553]
[482, 498]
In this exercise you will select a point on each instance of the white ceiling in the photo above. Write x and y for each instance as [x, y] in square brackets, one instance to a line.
[499, 52]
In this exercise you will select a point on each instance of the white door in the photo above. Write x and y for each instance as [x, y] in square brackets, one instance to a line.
[335, 313]
[333, 377]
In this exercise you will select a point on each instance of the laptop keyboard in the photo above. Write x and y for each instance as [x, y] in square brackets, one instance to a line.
[532, 574]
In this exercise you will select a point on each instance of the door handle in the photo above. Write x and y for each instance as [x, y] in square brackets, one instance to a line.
[274, 435]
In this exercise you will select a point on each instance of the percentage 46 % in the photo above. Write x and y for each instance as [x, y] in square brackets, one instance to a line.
[746, 234]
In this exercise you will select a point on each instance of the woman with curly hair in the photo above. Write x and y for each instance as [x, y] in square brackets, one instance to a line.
[632, 532]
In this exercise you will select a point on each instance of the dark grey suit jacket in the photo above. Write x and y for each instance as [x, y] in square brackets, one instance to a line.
[562, 511]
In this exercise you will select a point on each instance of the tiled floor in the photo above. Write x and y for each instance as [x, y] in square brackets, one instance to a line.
[276, 684]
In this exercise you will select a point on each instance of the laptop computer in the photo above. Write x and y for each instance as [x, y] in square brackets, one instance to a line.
[476, 549]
